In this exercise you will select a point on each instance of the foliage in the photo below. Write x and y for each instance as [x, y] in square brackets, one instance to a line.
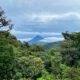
[3, 21]
[30, 66]
[7, 61]
[21, 61]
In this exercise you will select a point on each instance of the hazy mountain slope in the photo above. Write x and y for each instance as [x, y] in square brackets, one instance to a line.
[35, 40]
[52, 45]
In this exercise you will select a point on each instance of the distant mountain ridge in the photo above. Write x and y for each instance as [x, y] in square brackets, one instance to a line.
[36, 39]
[56, 45]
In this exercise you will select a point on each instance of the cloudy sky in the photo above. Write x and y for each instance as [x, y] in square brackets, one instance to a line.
[48, 18]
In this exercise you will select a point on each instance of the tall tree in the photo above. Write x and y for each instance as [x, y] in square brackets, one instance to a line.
[71, 49]
[3, 21]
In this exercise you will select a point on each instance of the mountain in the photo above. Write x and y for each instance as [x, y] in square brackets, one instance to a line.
[48, 46]
[35, 40]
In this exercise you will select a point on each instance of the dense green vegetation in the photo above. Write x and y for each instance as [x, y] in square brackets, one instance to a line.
[50, 45]
[21, 61]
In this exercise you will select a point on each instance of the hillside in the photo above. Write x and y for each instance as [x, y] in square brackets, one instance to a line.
[48, 46]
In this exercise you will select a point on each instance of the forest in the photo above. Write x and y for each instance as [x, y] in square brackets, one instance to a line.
[21, 61]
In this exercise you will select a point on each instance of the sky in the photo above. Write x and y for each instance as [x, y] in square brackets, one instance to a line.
[47, 18]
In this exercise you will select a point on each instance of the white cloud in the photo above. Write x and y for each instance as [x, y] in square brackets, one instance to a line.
[46, 35]
[48, 17]
[34, 33]
[25, 39]
[52, 39]
[44, 18]
[47, 39]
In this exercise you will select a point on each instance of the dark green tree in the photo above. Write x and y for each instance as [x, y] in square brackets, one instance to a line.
[7, 61]
[3, 21]
[71, 49]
